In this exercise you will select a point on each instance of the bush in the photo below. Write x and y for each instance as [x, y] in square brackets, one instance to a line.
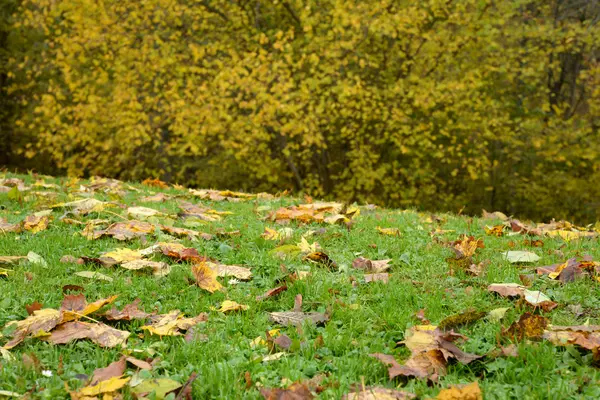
[435, 104]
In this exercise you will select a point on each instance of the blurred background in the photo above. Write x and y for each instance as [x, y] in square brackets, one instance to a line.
[434, 104]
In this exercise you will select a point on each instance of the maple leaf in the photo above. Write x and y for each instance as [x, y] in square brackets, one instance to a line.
[466, 246]
[320, 258]
[497, 230]
[84, 206]
[202, 213]
[119, 256]
[206, 277]
[570, 270]
[431, 350]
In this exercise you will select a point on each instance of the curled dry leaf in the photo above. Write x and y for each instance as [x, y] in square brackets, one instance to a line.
[374, 266]
[571, 269]
[156, 198]
[466, 246]
[272, 293]
[33, 307]
[202, 213]
[585, 336]
[206, 277]
[83, 206]
[183, 232]
[114, 369]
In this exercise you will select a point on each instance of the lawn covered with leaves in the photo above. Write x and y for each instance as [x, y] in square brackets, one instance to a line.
[154, 291]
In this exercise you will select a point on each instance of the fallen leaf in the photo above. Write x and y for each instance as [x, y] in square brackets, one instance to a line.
[585, 336]
[520, 256]
[41, 322]
[463, 318]
[272, 293]
[158, 268]
[114, 370]
[466, 246]
[155, 182]
[206, 278]
[375, 266]
[296, 391]
[74, 306]
[188, 233]
[94, 275]
[11, 259]
[528, 326]
[383, 277]
[239, 272]
[297, 318]
[119, 256]
[539, 299]
[507, 289]
[123, 230]
[320, 258]
[143, 212]
[172, 323]
[461, 392]
[36, 224]
[128, 313]
[156, 198]
[159, 386]
[228, 306]
[35, 258]
[377, 393]
[497, 314]
[101, 334]
[497, 230]
[33, 307]
[83, 206]
[6, 227]
[389, 231]
[104, 387]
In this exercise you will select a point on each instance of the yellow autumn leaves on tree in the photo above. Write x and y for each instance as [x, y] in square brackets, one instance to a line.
[431, 103]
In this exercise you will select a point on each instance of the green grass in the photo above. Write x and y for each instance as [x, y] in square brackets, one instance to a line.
[365, 318]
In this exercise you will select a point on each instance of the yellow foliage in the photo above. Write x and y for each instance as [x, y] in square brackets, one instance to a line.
[432, 103]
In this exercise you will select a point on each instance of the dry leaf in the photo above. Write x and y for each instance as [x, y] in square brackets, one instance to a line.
[6, 227]
[239, 272]
[272, 293]
[297, 391]
[377, 393]
[114, 369]
[41, 322]
[101, 334]
[383, 277]
[158, 268]
[33, 307]
[528, 326]
[94, 275]
[172, 323]
[389, 231]
[36, 224]
[123, 230]
[129, 312]
[105, 387]
[228, 306]
[461, 392]
[375, 266]
[206, 278]
[74, 306]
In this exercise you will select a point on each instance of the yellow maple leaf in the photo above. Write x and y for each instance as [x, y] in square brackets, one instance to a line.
[228, 305]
